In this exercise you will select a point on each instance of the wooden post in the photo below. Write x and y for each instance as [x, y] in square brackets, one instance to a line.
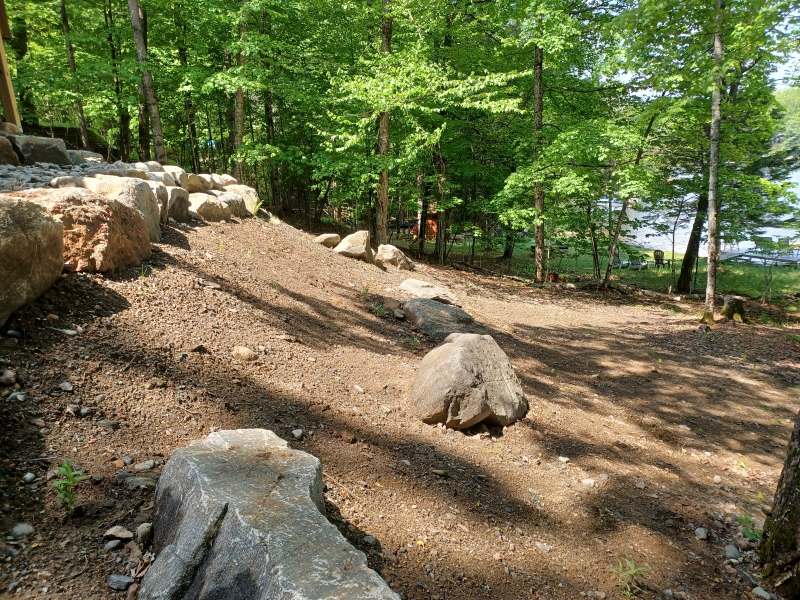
[10, 111]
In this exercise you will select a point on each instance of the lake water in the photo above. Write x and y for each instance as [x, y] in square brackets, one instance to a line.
[648, 239]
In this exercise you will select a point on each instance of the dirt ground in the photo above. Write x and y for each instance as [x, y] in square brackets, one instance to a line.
[641, 427]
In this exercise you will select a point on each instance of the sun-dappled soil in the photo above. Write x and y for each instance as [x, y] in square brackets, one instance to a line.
[665, 428]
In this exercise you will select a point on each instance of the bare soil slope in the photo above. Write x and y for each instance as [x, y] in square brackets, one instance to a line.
[641, 427]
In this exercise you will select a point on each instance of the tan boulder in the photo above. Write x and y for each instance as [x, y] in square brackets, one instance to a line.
[248, 194]
[228, 179]
[31, 252]
[131, 192]
[7, 154]
[194, 184]
[161, 177]
[356, 245]
[208, 207]
[99, 234]
[162, 197]
[392, 255]
[235, 202]
[329, 240]
[178, 203]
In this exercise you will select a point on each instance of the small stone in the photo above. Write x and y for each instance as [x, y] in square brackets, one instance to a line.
[542, 547]
[759, 592]
[358, 389]
[8, 377]
[143, 533]
[85, 411]
[108, 424]
[38, 422]
[119, 582]
[140, 483]
[563, 459]
[65, 386]
[594, 595]
[406, 462]
[640, 484]
[21, 530]
[297, 434]
[29, 478]
[717, 479]
[588, 482]
[439, 472]
[244, 353]
[118, 532]
[731, 551]
[497, 556]
[112, 545]
[118, 463]
[701, 533]
[370, 540]
[399, 314]
[144, 466]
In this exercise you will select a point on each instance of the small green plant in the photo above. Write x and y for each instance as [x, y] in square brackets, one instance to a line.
[364, 293]
[415, 343]
[68, 480]
[378, 309]
[750, 530]
[145, 270]
[629, 576]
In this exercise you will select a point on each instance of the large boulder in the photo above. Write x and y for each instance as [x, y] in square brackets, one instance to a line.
[31, 253]
[329, 240]
[161, 177]
[209, 207]
[193, 183]
[466, 381]
[81, 157]
[175, 171]
[389, 255]
[235, 202]
[423, 289]
[162, 197]
[100, 234]
[214, 181]
[436, 320]
[178, 203]
[241, 515]
[356, 245]
[131, 192]
[228, 179]
[7, 154]
[248, 194]
[154, 166]
[35, 149]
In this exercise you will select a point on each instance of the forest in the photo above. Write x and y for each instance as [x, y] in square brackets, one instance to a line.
[540, 126]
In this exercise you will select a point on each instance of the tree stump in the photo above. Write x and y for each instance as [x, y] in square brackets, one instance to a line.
[779, 550]
[733, 309]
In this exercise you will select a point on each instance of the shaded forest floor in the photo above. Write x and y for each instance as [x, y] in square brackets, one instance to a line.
[665, 428]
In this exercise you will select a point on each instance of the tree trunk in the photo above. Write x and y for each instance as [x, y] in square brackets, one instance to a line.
[623, 213]
[188, 103]
[84, 128]
[382, 216]
[238, 116]
[144, 126]
[779, 550]
[423, 215]
[147, 79]
[593, 239]
[123, 114]
[538, 192]
[508, 249]
[684, 284]
[274, 170]
[713, 169]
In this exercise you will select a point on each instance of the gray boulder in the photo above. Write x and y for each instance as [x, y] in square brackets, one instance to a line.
[423, 289]
[35, 149]
[466, 381]
[31, 253]
[329, 240]
[241, 515]
[161, 177]
[356, 245]
[436, 320]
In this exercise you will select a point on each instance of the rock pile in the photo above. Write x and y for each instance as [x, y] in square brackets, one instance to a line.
[105, 215]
